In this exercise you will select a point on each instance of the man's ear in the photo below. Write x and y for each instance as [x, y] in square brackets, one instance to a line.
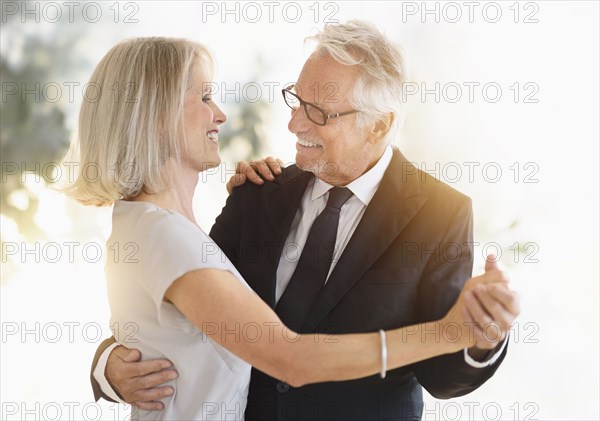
[380, 128]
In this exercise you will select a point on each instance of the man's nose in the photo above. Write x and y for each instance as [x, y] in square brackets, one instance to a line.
[299, 122]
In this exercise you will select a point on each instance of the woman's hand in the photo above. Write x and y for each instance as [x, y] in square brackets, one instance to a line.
[255, 171]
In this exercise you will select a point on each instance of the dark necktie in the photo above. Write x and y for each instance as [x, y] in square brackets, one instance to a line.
[314, 263]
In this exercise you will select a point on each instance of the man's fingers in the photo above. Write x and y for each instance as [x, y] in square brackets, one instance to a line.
[494, 275]
[507, 298]
[476, 309]
[495, 309]
[151, 395]
[480, 338]
[143, 389]
[135, 380]
[152, 380]
[149, 406]
[148, 367]
[488, 301]
[491, 263]
[491, 276]
[491, 306]
[496, 329]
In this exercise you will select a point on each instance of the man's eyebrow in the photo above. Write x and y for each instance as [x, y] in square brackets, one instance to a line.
[317, 103]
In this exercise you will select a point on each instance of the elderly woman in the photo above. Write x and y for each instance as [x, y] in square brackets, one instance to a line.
[150, 129]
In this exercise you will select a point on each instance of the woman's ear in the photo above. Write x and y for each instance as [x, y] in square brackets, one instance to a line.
[380, 128]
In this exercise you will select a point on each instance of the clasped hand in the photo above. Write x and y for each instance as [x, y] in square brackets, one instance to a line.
[485, 310]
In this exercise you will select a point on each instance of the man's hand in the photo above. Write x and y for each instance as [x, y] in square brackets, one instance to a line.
[492, 309]
[484, 312]
[255, 171]
[136, 381]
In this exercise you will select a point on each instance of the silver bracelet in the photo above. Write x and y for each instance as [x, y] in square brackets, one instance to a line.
[383, 354]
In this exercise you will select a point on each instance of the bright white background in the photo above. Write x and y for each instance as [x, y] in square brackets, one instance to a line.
[551, 371]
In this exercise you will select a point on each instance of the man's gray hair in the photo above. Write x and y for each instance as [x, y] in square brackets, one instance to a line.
[378, 89]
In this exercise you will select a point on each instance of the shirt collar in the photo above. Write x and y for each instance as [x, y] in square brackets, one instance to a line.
[365, 186]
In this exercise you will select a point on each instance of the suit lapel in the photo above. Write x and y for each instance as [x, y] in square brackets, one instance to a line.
[394, 205]
[280, 200]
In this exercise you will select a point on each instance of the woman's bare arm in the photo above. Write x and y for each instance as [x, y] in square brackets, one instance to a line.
[235, 317]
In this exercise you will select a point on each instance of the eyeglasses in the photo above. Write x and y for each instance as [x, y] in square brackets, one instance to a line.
[315, 114]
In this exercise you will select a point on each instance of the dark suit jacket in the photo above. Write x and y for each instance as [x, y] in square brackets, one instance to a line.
[406, 263]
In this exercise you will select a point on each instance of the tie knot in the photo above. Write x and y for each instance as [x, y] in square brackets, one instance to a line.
[338, 196]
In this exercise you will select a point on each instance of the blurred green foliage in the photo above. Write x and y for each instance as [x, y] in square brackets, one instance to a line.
[33, 132]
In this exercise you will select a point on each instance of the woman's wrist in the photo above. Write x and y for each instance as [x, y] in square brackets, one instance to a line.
[454, 335]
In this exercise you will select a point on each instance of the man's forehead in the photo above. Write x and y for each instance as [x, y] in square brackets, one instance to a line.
[325, 69]
[323, 80]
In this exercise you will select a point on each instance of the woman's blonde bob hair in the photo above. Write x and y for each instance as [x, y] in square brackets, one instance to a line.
[131, 118]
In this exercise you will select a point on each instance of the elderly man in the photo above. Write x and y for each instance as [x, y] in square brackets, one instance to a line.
[400, 254]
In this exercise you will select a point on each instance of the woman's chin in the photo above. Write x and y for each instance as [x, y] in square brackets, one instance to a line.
[207, 165]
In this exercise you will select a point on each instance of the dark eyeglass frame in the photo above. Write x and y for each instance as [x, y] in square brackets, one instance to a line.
[303, 103]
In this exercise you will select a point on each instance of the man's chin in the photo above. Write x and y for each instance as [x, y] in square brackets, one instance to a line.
[310, 166]
[306, 165]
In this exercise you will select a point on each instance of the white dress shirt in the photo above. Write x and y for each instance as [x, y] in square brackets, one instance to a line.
[313, 202]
